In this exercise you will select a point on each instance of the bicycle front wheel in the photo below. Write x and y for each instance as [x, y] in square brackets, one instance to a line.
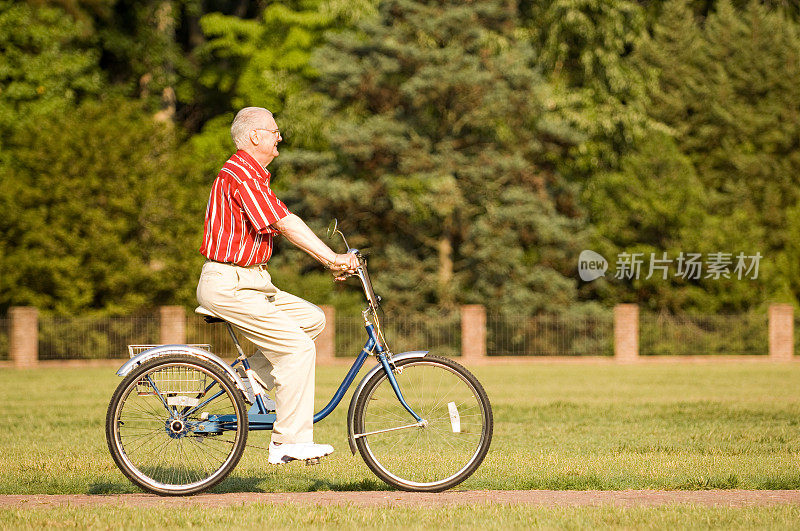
[455, 435]
[176, 425]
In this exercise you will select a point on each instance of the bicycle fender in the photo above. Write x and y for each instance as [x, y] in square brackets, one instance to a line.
[351, 410]
[163, 350]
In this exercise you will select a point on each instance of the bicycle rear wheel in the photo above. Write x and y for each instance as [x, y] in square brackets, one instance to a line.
[451, 445]
[176, 425]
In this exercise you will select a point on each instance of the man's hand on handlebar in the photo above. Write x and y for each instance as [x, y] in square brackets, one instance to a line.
[343, 266]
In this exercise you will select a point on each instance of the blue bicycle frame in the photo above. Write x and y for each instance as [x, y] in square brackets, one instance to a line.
[260, 419]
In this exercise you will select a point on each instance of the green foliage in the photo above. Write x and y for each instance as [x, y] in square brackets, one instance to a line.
[640, 193]
[585, 48]
[651, 205]
[266, 63]
[475, 146]
[47, 64]
[727, 90]
[441, 157]
[99, 213]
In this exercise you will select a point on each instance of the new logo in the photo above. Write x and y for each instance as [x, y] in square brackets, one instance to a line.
[591, 265]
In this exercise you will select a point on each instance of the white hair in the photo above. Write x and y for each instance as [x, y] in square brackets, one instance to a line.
[246, 120]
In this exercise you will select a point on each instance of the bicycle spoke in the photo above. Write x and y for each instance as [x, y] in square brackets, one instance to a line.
[441, 449]
[160, 443]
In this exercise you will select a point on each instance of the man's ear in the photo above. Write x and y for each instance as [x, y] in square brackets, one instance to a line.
[254, 137]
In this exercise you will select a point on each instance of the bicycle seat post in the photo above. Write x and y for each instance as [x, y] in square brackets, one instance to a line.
[235, 341]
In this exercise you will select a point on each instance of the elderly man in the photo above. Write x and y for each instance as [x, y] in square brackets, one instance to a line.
[242, 218]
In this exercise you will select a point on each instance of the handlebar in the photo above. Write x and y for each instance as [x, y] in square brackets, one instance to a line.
[361, 262]
[373, 300]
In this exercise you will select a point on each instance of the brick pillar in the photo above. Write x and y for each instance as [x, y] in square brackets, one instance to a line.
[781, 332]
[473, 332]
[24, 336]
[326, 341]
[173, 325]
[626, 332]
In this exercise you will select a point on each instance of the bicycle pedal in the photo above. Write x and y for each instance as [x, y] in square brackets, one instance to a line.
[312, 462]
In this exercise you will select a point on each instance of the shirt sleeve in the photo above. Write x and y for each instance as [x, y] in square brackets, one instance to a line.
[260, 205]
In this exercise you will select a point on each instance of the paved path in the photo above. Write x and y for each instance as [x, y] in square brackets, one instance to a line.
[550, 498]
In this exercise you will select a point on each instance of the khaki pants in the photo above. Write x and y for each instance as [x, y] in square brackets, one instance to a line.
[282, 326]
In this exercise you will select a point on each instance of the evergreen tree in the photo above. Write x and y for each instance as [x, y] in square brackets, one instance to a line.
[585, 50]
[652, 205]
[101, 213]
[727, 89]
[442, 155]
[265, 62]
[638, 191]
[47, 64]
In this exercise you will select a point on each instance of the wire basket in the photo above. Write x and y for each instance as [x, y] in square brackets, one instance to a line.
[172, 381]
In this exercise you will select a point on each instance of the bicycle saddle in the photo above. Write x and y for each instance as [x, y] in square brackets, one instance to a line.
[207, 315]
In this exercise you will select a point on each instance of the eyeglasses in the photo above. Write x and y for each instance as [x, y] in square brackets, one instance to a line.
[276, 131]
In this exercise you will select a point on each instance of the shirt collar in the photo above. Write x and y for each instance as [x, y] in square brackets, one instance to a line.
[253, 164]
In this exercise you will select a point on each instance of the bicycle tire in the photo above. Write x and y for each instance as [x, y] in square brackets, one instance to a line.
[146, 418]
[417, 463]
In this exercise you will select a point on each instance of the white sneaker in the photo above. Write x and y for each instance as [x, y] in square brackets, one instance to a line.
[283, 453]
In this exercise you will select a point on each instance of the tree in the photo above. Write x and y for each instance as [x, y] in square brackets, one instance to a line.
[47, 64]
[265, 62]
[651, 205]
[585, 50]
[441, 155]
[102, 213]
[727, 89]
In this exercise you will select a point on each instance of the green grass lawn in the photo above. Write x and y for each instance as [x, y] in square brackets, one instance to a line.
[556, 427]
[260, 516]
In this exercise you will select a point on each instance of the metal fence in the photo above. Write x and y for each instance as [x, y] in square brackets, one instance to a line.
[5, 324]
[94, 337]
[796, 334]
[440, 334]
[550, 335]
[544, 335]
[680, 335]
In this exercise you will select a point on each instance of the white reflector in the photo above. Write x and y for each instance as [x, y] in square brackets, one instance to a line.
[455, 420]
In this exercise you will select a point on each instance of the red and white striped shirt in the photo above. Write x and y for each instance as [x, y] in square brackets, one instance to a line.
[239, 214]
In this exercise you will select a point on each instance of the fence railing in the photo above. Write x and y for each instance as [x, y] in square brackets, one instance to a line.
[63, 338]
[5, 325]
[692, 335]
[623, 333]
[550, 335]
[439, 334]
